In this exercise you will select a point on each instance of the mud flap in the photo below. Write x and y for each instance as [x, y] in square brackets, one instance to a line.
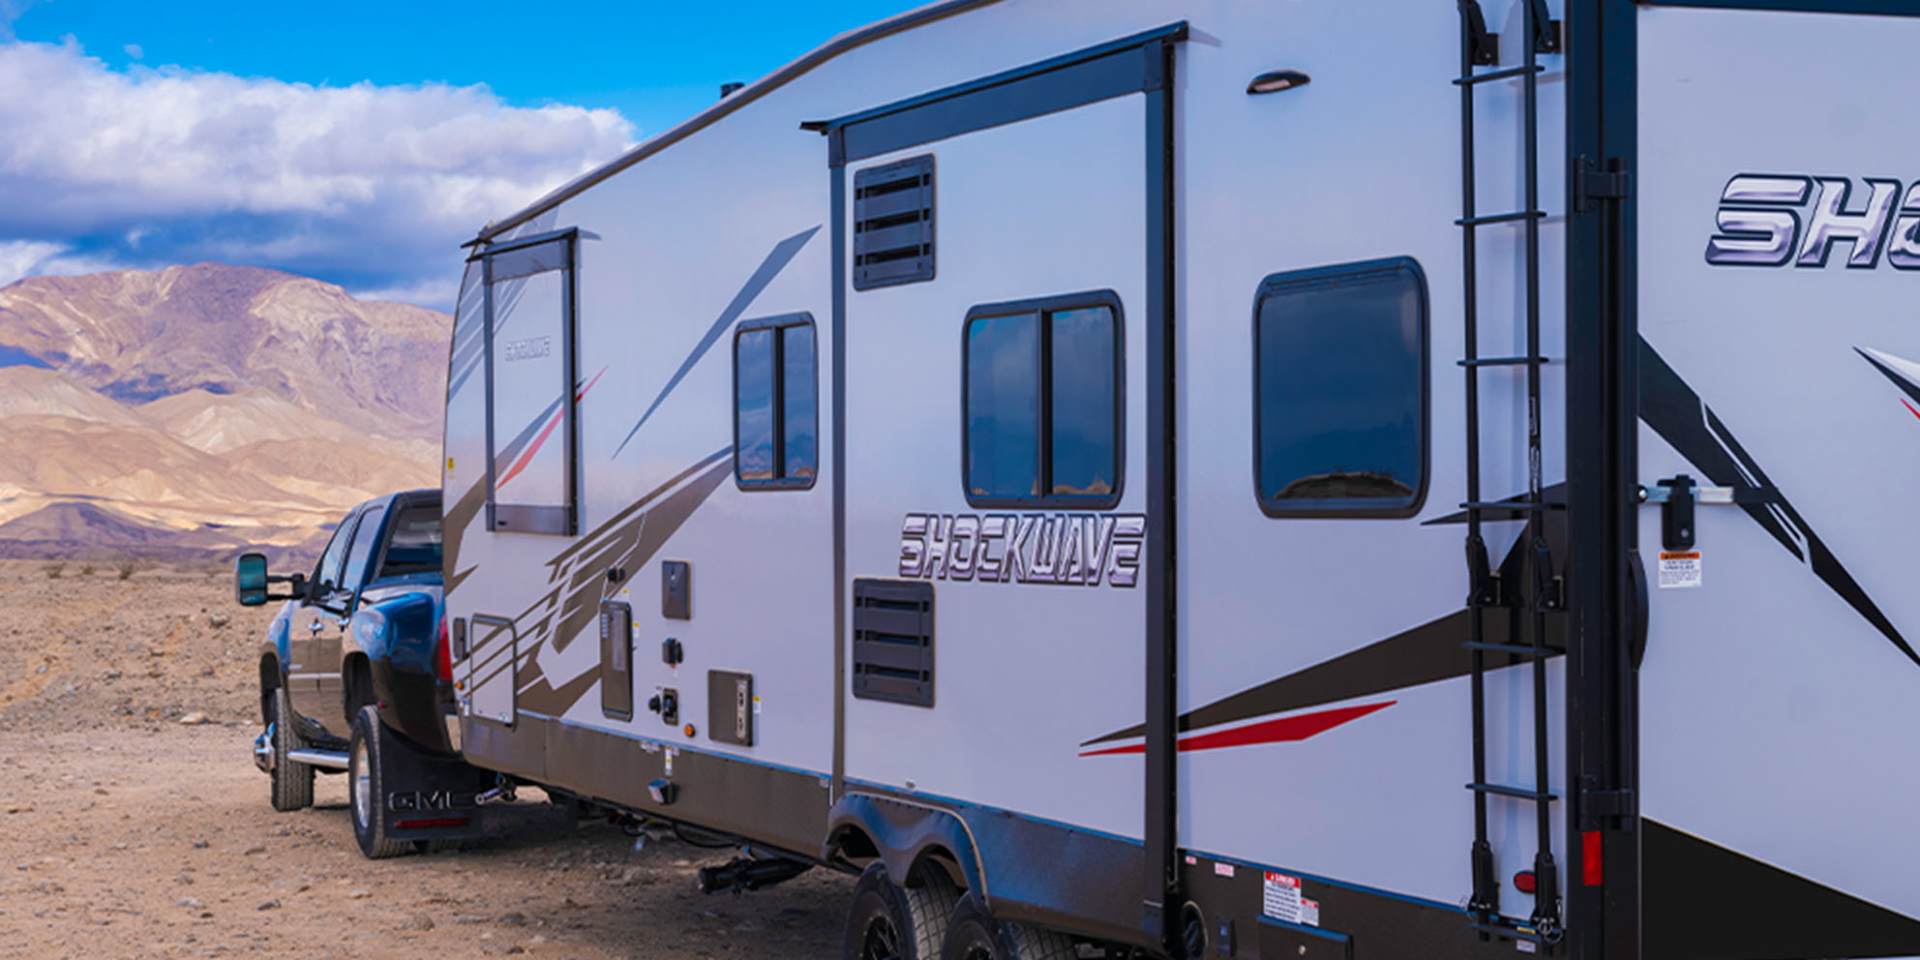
[433, 797]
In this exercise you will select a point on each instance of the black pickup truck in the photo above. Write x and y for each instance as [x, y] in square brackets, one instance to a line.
[355, 678]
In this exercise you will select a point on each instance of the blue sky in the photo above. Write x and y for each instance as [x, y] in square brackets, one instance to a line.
[355, 141]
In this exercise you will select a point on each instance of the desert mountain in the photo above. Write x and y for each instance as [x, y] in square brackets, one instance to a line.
[197, 410]
[135, 336]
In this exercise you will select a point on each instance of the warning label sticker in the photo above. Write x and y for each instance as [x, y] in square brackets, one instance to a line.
[1310, 912]
[1280, 898]
[1679, 569]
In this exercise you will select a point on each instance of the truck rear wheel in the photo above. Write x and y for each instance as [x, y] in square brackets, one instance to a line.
[366, 794]
[292, 780]
[892, 922]
[973, 934]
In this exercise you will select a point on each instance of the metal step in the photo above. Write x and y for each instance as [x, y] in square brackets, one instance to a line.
[330, 759]
[1493, 75]
[1518, 793]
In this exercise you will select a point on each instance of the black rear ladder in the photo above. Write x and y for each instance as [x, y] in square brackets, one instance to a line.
[1479, 48]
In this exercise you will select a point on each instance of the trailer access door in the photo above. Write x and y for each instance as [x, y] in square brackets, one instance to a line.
[1000, 294]
[1777, 190]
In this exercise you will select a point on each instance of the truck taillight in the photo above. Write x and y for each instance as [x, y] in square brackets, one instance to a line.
[443, 654]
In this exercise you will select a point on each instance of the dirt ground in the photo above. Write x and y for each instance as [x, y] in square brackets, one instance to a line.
[127, 833]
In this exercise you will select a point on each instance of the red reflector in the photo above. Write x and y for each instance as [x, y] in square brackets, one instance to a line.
[428, 823]
[1524, 882]
[443, 654]
[1593, 861]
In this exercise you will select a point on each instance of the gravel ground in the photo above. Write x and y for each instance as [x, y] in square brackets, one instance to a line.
[127, 833]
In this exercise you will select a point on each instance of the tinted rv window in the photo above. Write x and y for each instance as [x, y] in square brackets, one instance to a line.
[1340, 390]
[1042, 402]
[534, 385]
[776, 387]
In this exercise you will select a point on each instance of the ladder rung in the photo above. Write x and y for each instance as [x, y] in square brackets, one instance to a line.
[1516, 506]
[1503, 361]
[1518, 649]
[1492, 75]
[1482, 221]
[1514, 792]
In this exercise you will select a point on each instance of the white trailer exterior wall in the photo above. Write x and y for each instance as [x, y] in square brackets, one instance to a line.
[1323, 701]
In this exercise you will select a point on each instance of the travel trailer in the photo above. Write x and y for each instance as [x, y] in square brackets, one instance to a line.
[1236, 479]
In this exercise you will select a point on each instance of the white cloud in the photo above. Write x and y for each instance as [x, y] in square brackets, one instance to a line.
[135, 51]
[34, 258]
[373, 185]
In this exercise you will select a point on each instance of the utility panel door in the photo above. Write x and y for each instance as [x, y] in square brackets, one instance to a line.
[994, 557]
[1778, 190]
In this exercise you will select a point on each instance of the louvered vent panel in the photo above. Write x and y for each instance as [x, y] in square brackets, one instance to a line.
[893, 224]
[893, 641]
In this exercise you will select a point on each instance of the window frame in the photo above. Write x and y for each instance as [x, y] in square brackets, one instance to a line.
[777, 324]
[1043, 308]
[1351, 508]
[552, 519]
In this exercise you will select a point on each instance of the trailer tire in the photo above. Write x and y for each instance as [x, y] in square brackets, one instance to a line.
[973, 934]
[366, 794]
[893, 922]
[292, 781]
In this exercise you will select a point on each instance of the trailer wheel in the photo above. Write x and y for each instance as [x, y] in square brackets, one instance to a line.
[292, 781]
[973, 934]
[892, 922]
[366, 794]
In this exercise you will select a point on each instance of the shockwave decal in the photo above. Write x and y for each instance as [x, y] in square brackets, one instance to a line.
[1769, 220]
[1072, 549]
[1675, 412]
[1904, 373]
[776, 261]
[1702, 901]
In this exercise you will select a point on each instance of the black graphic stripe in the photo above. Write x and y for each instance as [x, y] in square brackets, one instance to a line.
[1706, 902]
[1680, 417]
[1428, 653]
[1911, 389]
[777, 260]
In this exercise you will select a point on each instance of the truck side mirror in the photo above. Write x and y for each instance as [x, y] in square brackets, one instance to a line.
[250, 579]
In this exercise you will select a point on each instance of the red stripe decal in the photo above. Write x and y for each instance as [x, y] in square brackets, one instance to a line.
[534, 447]
[1910, 407]
[1278, 730]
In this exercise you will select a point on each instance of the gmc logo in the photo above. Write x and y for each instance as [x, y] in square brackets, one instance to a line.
[418, 800]
[1767, 220]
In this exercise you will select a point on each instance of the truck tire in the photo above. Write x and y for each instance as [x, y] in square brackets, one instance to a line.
[973, 934]
[892, 922]
[292, 780]
[366, 794]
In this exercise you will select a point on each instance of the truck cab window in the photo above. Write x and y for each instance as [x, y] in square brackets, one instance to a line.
[360, 555]
[776, 403]
[1042, 402]
[413, 543]
[1340, 391]
[327, 576]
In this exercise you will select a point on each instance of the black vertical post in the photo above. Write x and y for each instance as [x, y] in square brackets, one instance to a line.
[1162, 893]
[839, 420]
[486, 346]
[1602, 347]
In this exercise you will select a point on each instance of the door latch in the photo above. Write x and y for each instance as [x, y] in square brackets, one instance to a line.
[1679, 495]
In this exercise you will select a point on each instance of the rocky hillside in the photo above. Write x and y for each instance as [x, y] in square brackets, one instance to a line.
[192, 411]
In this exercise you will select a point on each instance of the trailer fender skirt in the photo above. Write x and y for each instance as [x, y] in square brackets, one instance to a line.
[903, 832]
